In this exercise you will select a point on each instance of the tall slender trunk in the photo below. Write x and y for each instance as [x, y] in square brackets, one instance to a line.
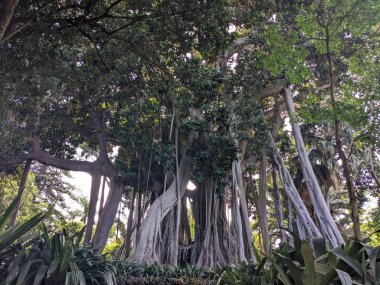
[179, 204]
[326, 221]
[95, 185]
[139, 215]
[185, 224]
[236, 167]
[128, 237]
[290, 222]
[277, 205]
[262, 203]
[339, 146]
[300, 229]
[101, 203]
[238, 229]
[21, 189]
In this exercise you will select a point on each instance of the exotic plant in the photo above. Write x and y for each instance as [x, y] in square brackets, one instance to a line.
[9, 236]
[245, 274]
[313, 263]
[60, 260]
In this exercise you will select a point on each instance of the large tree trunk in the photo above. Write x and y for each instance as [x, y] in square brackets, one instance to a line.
[21, 189]
[107, 218]
[236, 218]
[238, 175]
[292, 192]
[262, 204]
[95, 186]
[326, 221]
[145, 251]
[212, 252]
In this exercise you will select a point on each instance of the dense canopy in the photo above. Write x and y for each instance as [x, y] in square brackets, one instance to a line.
[270, 108]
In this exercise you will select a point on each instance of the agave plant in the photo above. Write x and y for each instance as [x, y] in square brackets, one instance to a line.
[8, 236]
[60, 260]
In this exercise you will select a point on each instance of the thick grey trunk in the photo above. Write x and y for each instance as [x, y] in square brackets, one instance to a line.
[212, 251]
[326, 221]
[301, 229]
[145, 251]
[107, 218]
[238, 223]
[236, 166]
[292, 193]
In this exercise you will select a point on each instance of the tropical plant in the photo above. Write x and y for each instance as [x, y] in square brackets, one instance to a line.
[60, 260]
[313, 263]
[8, 236]
[245, 274]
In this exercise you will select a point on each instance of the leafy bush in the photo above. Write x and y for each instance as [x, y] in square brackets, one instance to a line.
[60, 260]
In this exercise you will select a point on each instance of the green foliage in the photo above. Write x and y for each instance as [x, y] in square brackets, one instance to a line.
[161, 274]
[59, 259]
[245, 274]
[315, 264]
[371, 227]
[10, 235]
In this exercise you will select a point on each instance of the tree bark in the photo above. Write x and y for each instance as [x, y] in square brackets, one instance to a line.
[262, 204]
[277, 205]
[101, 202]
[339, 147]
[290, 222]
[145, 251]
[107, 218]
[94, 194]
[238, 229]
[21, 189]
[236, 167]
[292, 192]
[128, 237]
[6, 15]
[326, 221]
[179, 204]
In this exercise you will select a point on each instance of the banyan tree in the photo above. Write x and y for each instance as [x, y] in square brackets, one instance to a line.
[192, 92]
